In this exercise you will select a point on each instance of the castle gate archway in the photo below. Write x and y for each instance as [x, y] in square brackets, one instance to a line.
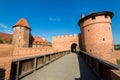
[73, 47]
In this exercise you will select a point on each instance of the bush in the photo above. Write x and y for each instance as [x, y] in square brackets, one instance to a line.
[1, 41]
[118, 61]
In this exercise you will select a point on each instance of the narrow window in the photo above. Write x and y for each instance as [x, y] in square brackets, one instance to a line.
[93, 17]
[82, 21]
[88, 30]
[90, 50]
[106, 16]
[112, 50]
[103, 39]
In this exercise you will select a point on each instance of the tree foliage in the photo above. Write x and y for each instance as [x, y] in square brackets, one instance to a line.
[1, 41]
[49, 42]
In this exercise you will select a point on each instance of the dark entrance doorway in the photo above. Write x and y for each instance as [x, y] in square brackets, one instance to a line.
[2, 74]
[73, 47]
[13, 71]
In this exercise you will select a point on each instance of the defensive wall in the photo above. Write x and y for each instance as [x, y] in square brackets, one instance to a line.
[32, 51]
[64, 42]
[95, 38]
[5, 60]
[5, 50]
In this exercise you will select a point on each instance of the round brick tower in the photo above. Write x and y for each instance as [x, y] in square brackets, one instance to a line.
[21, 34]
[96, 34]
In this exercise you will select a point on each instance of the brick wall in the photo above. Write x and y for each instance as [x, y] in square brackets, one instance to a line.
[96, 35]
[5, 50]
[62, 43]
[5, 59]
[32, 51]
[21, 37]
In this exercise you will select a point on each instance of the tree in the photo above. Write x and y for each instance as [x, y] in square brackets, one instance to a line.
[1, 41]
[49, 42]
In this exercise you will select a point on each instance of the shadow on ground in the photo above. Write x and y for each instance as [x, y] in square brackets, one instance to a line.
[86, 72]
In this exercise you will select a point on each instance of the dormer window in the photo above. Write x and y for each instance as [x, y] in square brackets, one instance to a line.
[93, 17]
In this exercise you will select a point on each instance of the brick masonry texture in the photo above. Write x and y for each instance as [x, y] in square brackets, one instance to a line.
[64, 42]
[6, 59]
[96, 35]
[95, 38]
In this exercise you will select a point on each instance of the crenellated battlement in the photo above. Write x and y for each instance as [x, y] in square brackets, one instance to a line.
[65, 36]
[64, 42]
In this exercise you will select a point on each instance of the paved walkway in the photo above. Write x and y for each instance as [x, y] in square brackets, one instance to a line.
[65, 68]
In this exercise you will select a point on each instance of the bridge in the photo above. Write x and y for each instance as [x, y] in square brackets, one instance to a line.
[64, 66]
[29, 58]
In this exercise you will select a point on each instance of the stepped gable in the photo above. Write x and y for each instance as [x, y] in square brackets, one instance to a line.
[22, 23]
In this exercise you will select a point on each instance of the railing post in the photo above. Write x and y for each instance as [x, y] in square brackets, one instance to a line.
[50, 57]
[56, 55]
[35, 60]
[45, 59]
[17, 72]
[66, 52]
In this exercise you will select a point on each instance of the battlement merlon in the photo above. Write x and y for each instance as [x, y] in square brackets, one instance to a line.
[95, 14]
[65, 36]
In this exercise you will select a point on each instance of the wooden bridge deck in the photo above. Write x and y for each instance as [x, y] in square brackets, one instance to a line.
[69, 67]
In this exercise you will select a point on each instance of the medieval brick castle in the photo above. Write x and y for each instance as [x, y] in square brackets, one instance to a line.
[95, 38]
[24, 43]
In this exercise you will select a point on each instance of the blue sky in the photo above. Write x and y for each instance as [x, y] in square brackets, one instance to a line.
[49, 18]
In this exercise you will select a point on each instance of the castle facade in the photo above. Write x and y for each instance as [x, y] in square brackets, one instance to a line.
[96, 34]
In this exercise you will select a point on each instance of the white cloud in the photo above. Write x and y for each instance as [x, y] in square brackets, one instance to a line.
[5, 28]
[9, 31]
[54, 19]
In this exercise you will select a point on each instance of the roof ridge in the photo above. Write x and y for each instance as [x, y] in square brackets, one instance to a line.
[22, 23]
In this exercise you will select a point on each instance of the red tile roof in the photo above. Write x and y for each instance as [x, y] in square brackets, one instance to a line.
[38, 40]
[23, 23]
[5, 36]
